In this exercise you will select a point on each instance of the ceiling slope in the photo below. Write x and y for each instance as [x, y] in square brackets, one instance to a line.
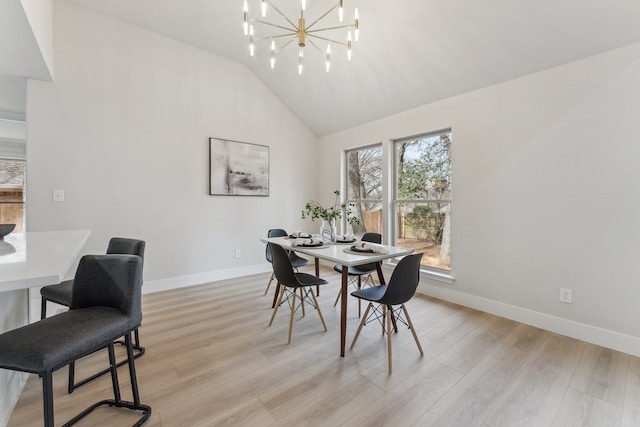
[410, 53]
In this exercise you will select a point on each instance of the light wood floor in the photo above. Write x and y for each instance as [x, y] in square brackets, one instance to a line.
[211, 360]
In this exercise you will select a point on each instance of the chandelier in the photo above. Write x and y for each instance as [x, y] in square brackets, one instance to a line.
[290, 31]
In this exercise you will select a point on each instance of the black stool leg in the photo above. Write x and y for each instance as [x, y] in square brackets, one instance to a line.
[132, 371]
[43, 308]
[73, 385]
[47, 398]
[117, 401]
[114, 373]
[136, 339]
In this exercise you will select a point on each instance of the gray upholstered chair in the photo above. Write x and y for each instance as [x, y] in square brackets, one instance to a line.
[105, 306]
[401, 288]
[61, 294]
[290, 282]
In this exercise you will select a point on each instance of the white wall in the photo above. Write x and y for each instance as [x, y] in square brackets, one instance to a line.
[13, 314]
[13, 91]
[124, 132]
[546, 188]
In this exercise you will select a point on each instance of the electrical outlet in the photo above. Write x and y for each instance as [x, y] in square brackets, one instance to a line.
[58, 195]
[566, 295]
[238, 253]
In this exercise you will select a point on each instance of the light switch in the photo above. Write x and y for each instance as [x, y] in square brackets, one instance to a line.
[58, 195]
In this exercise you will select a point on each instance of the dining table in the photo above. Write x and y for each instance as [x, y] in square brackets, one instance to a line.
[344, 254]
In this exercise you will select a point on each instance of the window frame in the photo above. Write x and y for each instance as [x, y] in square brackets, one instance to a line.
[440, 274]
[346, 152]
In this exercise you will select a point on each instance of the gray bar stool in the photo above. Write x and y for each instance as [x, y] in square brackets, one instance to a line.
[105, 306]
[61, 294]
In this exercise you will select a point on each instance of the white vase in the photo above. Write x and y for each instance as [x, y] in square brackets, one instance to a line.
[328, 230]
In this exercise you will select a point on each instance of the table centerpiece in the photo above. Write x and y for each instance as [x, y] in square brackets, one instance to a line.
[329, 215]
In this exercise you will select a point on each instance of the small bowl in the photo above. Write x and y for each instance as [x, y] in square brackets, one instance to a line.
[6, 229]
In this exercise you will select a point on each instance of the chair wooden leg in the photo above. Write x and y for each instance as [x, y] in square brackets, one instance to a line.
[337, 297]
[293, 310]
[364, 318]
[269, 284]
[279, 294]
[389, 328]
[413, 331]
[315, 302]
[302, 301]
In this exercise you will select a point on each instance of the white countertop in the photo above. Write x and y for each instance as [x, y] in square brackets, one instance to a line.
[41, 258]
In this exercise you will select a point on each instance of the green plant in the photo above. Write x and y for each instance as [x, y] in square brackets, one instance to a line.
[315, 210]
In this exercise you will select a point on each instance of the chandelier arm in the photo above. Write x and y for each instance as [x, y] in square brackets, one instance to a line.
[326, 39]
[282, 14]
[316, 46]
[292, 30]
[285, 45]
[322, 17]
[330, 28]
[278, 36]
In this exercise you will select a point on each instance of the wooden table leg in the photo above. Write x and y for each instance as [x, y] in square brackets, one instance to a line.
[317, 275]
[343, 310]
[380, 275]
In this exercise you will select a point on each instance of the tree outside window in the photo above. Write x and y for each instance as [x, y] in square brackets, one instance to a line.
[364, 188]
[423, 197]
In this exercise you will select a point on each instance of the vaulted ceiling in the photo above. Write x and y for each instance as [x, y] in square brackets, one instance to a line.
[410, 53]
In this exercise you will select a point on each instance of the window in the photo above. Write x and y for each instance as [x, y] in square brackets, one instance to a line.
[422, 197]
[12, 193]
[364, 188]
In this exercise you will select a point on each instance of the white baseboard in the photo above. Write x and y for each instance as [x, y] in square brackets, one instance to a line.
[151, 286]
[592, 334]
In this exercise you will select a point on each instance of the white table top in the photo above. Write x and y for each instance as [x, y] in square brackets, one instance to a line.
[35, 259]
[336, 252]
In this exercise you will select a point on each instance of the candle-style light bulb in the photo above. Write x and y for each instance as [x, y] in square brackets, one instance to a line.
[349, 46]
[264, 8]
[356, 29]
[245, 12]
[303, 4]
[251, 41]
[273, 54]
[328, 63]
[340, 11]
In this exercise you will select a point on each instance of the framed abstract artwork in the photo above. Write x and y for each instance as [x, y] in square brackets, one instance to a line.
[238, 168]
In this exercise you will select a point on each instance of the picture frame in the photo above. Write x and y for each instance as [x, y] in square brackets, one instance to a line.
[238, 168]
